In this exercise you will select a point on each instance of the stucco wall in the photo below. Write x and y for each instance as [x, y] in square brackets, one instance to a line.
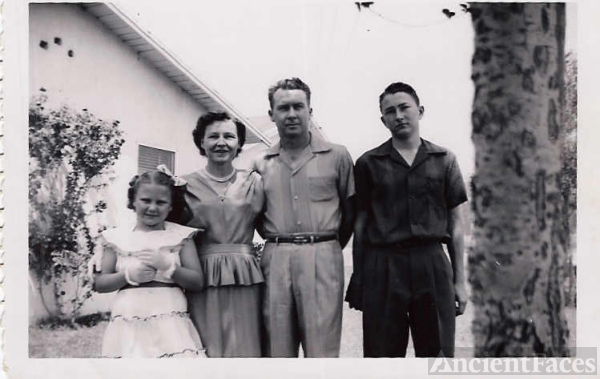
[108, 78]
[105, 76]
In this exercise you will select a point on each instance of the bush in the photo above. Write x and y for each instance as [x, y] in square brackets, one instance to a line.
[69, 153]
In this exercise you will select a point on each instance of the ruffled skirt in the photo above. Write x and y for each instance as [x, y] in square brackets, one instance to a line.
[229, 264]
[151, 322]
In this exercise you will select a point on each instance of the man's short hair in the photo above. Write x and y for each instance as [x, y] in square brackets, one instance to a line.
[399, 87]
[291, 83]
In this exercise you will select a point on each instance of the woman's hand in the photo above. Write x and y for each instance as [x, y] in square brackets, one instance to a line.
[156, 259]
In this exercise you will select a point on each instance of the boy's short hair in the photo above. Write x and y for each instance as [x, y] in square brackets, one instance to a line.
[399, 87]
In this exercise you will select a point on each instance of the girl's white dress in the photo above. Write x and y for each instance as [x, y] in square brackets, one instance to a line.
[149, 322]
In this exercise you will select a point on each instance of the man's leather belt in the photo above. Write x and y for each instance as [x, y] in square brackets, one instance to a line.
[302, 238]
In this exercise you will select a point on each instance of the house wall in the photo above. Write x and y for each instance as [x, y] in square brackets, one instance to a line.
[108, 78]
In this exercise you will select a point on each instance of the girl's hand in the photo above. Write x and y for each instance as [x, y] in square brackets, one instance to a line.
[141, 272]
[156, 259]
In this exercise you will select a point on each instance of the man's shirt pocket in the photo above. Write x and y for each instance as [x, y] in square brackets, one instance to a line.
[322, 188]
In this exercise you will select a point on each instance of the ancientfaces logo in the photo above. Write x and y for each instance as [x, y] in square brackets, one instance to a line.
[585, 363]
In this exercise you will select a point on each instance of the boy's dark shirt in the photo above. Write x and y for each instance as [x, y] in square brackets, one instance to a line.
[405, 201]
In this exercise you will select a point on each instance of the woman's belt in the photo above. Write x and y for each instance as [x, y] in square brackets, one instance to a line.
[225, 248]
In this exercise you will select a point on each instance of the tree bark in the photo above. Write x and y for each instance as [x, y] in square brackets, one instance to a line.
[520, 231]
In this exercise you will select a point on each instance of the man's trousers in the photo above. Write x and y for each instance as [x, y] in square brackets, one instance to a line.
[408, 288]
[303, 298]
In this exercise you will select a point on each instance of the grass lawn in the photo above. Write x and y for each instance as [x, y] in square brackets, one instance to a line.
[63, 342]
[86, 342]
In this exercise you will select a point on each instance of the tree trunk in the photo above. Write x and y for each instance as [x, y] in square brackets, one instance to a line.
[520, 234]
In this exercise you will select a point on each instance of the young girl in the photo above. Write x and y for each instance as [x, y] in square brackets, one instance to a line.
[146, 265]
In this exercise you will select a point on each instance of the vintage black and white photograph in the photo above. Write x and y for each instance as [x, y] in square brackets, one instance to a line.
[300, 179]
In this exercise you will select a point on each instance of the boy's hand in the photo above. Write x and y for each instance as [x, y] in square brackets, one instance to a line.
[460, 294]
[354, 293]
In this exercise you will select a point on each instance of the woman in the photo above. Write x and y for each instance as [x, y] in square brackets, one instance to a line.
[225, 202]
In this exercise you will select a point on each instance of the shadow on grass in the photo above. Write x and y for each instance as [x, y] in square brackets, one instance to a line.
[85, 321]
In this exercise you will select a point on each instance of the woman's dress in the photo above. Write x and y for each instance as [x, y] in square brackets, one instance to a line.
[227, 312]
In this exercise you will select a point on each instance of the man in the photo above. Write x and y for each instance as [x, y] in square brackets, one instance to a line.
[309, 188]
[408, 193]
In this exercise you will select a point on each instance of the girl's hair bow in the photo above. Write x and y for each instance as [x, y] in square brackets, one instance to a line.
[176, 180]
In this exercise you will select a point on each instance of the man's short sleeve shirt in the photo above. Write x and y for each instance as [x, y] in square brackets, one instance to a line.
[405, 201]
[306, 198]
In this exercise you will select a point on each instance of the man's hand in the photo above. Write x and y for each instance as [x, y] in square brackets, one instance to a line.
[460, 295]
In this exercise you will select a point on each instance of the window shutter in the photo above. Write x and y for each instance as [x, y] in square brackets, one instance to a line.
[150, 157]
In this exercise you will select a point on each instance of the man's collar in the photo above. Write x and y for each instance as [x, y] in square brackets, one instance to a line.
[384, 149]
[274, 150]
[317, 145]
[430, 148]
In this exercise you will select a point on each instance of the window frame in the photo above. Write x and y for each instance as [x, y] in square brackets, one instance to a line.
[155, 147]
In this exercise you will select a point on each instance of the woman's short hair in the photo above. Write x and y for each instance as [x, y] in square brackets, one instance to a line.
[211, 117]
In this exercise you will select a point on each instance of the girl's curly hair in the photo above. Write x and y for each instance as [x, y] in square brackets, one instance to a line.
[156, 177]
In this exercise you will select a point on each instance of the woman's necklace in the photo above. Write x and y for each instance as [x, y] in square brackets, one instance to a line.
[222, 184]
[217, 179]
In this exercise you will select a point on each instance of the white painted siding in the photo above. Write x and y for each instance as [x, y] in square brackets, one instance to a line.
[110, 80]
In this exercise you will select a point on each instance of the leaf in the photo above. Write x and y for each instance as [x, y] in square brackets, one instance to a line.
[69, 153]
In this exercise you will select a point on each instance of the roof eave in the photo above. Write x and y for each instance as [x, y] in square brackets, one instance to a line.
[164, 61]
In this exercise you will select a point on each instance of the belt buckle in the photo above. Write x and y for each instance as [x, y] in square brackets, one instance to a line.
[298, 240]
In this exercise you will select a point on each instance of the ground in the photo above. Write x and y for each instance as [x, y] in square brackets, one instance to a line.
[87, 341]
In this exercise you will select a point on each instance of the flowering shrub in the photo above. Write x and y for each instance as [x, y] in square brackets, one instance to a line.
[69, 153]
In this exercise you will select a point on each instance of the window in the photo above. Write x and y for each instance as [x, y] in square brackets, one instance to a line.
[150, 157]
